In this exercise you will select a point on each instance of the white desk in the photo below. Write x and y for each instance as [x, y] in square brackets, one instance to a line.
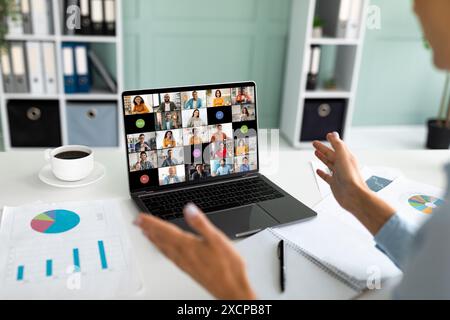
[20, 185]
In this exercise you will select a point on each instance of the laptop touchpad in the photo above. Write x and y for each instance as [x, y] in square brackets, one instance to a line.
[238, 222]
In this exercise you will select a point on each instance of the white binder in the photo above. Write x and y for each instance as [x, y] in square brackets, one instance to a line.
[355, 19]
[19, 67]
[343, 18]
[8, 78]
[26, 16]
[15, 23]
[50, 75]
[306, 276]
[97, 16]
[40, 17]
[35, 69]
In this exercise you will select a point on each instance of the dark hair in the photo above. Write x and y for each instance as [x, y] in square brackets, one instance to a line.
[196, 110]
[246, 111]
[142, 135]
[143, 152]
[134, 100]
[245, 158]
[224, 160]
[165, 136]
[220, 93]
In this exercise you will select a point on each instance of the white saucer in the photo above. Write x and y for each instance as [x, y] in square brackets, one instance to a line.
[46, 175]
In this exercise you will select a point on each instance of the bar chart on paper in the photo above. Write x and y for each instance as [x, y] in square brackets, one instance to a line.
[46, 246]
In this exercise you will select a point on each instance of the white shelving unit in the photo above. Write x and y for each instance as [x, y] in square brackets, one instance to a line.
[346, 70]
[59, 38]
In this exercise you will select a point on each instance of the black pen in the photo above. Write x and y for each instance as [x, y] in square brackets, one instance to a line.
[282, 265]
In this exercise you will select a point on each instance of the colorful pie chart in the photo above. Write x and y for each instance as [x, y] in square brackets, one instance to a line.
[425, 204]
[55, 221]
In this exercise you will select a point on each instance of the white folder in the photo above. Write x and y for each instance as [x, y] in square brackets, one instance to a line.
[8, 78]
[344, 18]
[19, 67]
[35, 68]
[355, 19]
[15, 23]
[50, 75]
[40, 19]
[26, 16]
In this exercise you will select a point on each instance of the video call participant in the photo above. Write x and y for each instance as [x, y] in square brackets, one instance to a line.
[139, 106]
[218, 100]
[245, 167]
[243, 96]
[169, 141]
[172, 177]
[242, 148]
[245, 115]
[167, 105]
[170, 162]
[170, 121]
[143, 163]
[221, 151]
[195, 139]
[195, 120]
[200, 173]
[195, 102]
[223, 169]
[141, 145]
[219, 135]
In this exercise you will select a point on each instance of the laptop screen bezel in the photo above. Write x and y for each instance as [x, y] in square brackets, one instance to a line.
[181, 89]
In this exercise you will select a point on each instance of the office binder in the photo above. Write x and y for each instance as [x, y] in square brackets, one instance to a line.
[100, 68]
[35, 68]
[39, 17]
[110, 17]
[344, 17]
[26, 17]
[354, 19]
[70, 84]
[15, 23]
[19, 67]
[97, 17]
[8, 78]
[82, 68]
[86, 24]
[50, 74]
[314, 68]
[68, 18]
[307, 277]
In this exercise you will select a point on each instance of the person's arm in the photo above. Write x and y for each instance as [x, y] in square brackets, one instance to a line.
[392, 235]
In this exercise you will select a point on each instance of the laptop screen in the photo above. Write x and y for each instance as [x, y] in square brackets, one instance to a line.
[190, 135]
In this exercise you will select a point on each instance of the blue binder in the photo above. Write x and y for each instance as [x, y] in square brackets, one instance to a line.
[70, 81]
[82, 68]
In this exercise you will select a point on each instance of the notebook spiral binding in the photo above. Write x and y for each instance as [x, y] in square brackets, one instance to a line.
[354, 283]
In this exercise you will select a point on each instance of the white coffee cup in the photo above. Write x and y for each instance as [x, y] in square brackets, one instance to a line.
[70, 169]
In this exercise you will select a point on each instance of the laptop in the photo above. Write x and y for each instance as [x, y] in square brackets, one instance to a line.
[200, 144]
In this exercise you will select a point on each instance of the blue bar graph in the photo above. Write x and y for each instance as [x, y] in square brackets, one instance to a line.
[20, 271]
[76, 260]
[49, 268]
[101, 250]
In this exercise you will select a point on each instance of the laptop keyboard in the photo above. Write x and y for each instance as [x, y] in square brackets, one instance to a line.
[169, 205]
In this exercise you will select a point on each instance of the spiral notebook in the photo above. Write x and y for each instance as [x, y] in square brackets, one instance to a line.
[306, 276]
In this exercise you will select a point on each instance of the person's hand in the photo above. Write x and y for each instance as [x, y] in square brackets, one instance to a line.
[348, 185]
[209, 258]
[346, 181]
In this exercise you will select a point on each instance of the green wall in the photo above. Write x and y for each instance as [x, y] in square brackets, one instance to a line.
[398, 82]
[180, 42]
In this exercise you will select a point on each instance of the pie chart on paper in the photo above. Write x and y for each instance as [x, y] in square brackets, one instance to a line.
[425, 204]
[55, 221]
